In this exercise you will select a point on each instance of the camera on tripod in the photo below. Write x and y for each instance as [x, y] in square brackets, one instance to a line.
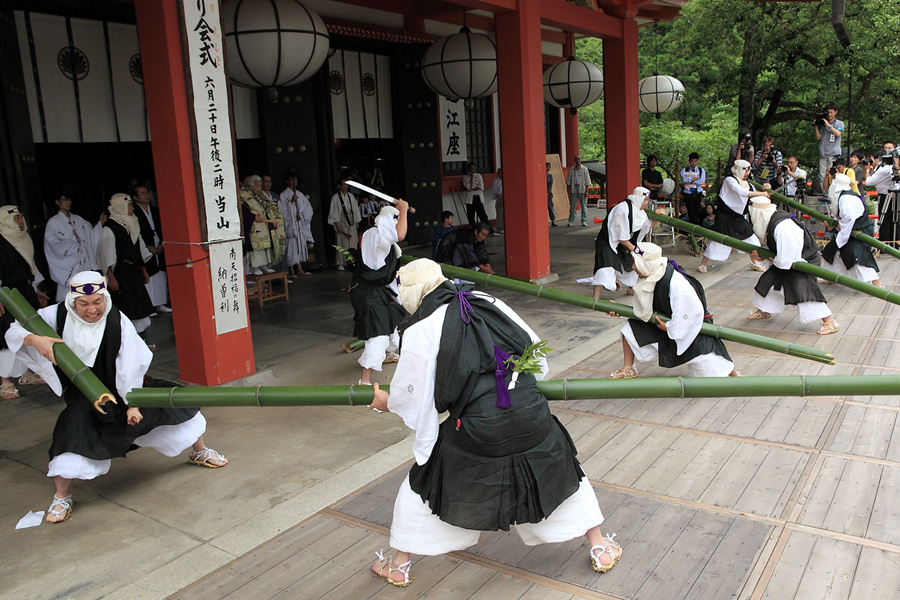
[887, 159]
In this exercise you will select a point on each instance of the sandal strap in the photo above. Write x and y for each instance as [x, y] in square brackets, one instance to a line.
[205, 454]
[64, 504]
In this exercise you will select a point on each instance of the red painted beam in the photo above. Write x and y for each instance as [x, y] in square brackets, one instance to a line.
[578, 19]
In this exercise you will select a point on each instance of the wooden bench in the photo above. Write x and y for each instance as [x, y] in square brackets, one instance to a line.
[263, 291]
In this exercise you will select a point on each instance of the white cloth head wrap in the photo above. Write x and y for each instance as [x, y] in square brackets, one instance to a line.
[20, 240]
[761, 210]
[651, 264]
[377, 242]
[637, 197]
[738, 169]
[418, 279]
[118, 212]
[81, 337]
[840, 184]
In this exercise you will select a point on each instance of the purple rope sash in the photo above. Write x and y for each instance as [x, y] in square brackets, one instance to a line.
[500, 357]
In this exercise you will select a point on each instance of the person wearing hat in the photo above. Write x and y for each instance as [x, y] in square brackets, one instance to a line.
[501, 459]
[373, 289]
[780, 285]
[856, 259]
[624, 226]
[733, 197]
[663, 287]
[84, 441]
[298, 214]
[121, 254]
[17, 271]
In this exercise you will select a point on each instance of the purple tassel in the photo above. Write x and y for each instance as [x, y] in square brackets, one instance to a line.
[677, 266]
[503, 399]
[464, 306]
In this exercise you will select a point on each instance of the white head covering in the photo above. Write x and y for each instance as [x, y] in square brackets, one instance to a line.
[637, 197]
[82, 337]
[761, 210]
[19, 239]
[418, 279]
[737, 169]
[377, 242]
[840, 184]
[118, 212]
[651, 264]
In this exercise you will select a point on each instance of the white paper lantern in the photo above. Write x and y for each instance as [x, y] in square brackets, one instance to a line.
[462, 65]
[273, 42]
[659, 93]
[573, 83]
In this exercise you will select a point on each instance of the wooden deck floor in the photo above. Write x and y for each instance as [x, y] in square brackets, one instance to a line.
[714, 498]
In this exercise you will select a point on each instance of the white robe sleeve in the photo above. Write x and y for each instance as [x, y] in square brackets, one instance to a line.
[618, 228]
[334, 210]
[734, 196]
[106, 250]
[789, 240]
[133, 359]
[305, 209]
[687, 313]
[145, 252]
[15, 340]
[61, 249]
[850, 210]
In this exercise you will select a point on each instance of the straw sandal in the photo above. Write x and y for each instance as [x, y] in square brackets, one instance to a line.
[629, 292]
[758, 314]
[60, 506]
[205, 457]
[702, 269]
[8, 391]
[624, 373]
[758, 266]
[612, 549]
[829, 327]
[391, 357]
[389, 562]
[30, 378]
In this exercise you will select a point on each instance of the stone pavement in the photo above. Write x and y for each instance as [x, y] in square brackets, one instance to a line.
[711, 498]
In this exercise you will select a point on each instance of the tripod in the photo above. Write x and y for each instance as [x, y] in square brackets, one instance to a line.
[888, 215]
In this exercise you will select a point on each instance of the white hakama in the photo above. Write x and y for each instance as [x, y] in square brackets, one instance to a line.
[414, 528]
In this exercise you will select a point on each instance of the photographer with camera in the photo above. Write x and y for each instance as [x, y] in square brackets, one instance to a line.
[839, 167]
[828, 131]
[743, 150]
[885, 179]
[767, 164]
[791, 173]
[693, 180]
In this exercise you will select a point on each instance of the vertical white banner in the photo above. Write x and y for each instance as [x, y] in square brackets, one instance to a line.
[218, 182]
[128, 82]
[453, 129]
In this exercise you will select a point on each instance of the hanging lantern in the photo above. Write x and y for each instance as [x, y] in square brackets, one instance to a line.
[572, 84]
[273, 42]
[462, 65]
[659, 93]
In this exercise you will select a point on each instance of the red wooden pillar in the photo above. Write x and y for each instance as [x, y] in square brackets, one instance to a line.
[623, 139]
[521, 107]
[203, 356]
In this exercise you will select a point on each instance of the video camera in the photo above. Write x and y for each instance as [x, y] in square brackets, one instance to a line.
[820, 117]
[887, 158]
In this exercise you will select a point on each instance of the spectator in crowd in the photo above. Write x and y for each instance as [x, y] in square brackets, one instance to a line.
[791, 173]
[651, 178]
[70, 243]
[550, 208]
[474, 184]
[298, 214]
[767, 163]
[839, 166]
[693, 178]
[578, 180]
[828, 133]
[445, 228]
[151, 233]
[859, 172]
[465, 248]
[742, 150]
[709, 216]
[264, 238]
[497, 193]
[344, 216]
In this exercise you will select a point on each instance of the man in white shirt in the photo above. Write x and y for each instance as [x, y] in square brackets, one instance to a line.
[474, 184]
[792, 173]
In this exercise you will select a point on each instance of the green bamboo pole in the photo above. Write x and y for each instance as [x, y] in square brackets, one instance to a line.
[81, 376]
[716, 331]
[866, 239]
[558, 389]
[803, 267]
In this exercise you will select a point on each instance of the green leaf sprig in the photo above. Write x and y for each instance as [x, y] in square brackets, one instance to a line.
[529, 363]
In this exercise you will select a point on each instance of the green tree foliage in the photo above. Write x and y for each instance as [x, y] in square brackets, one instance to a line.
[765, 67]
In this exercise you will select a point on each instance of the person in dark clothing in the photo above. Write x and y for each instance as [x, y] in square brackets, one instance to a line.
[501, 459]
[465, 248]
